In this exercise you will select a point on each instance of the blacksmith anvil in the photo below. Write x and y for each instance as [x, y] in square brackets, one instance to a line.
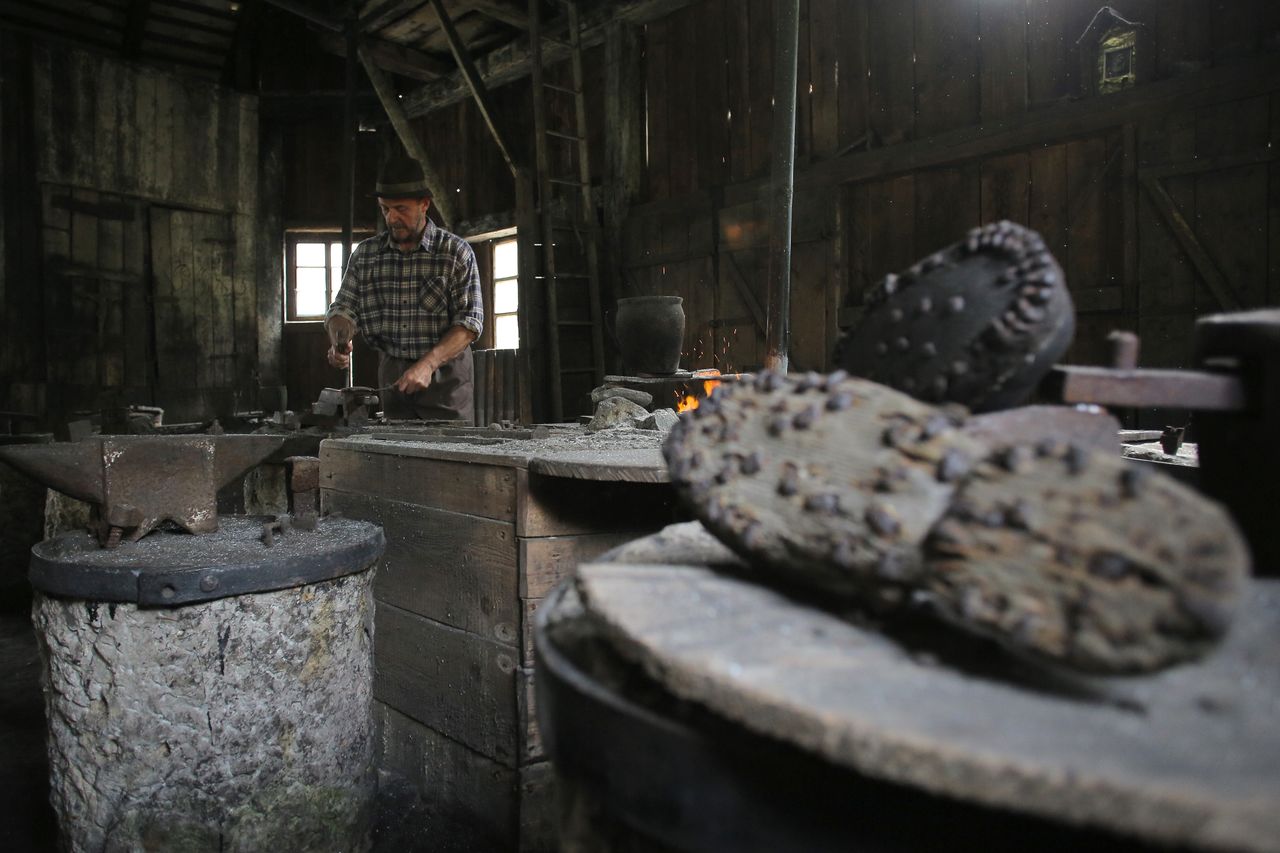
[1235, 397]
[137, 482]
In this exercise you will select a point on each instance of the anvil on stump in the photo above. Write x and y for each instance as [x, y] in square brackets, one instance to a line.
[138, 482]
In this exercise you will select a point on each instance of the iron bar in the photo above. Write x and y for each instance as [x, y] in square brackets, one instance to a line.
[782, 183]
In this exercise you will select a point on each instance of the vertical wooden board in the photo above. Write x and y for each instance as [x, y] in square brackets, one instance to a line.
[738, 343]
[739, 58]
[1053, 68]
[1006, 188]
[166, 135]
[1182, 40]
[1085, 265]
[890, 53]
[760, 75]
[850, 73]
[82, 128]
[804, 88]
[1048, 198]
[711, 116]
[681, 104]
[221, 283]
[137, 312]
[44, 104]
[1085, 262]
[204, 255]
[858, 229]
[244, 299]
[144, 141]
[1236, 30]
[127, 144]
[527, 715]
[810, 279]
[824, 71]
[1167, 340]
[947, 205]
[459, 570]
[1166, 281]
[946, 60]
[891, 240]
[1002, 58]
[110, 239]
[246, 155]
[1231, 205]
[107, 140]
[472, 795]
[659, 91]
[225, 191]
[84, 230]
[179, 349]
[459, 684]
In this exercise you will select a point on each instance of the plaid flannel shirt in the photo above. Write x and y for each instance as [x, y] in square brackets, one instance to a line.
[402, 302]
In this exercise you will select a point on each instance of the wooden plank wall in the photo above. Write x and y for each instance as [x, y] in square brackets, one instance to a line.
[876, 75]
[120, 155]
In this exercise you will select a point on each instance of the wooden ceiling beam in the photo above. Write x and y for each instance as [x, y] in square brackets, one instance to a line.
[208, 11]
[512, 62]
[389, 56]
[506, 13]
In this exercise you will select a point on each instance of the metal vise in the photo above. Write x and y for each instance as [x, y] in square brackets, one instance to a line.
[1235, 395]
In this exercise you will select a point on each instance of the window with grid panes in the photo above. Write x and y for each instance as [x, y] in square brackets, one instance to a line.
[313, 273]
[506, 295]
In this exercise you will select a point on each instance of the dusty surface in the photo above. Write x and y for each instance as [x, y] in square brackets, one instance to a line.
[237, 724]
[1190, 756]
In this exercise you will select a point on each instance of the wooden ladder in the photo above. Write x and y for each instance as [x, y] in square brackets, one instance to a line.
[569, 272]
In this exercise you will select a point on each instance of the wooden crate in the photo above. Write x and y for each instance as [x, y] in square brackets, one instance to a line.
[474, 543]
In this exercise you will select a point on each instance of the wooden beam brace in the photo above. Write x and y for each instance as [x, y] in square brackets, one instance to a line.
[390, 56]
[474, 82]
[744, 291]
[1186, 237]
[512, 62]
[400, 121]
[1200, 165]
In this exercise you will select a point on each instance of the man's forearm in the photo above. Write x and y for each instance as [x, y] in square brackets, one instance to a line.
[453, 342]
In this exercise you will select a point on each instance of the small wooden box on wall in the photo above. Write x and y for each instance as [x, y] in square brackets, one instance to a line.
[1115, 54]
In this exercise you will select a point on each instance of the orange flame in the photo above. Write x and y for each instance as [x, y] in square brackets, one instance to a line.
[687, 402]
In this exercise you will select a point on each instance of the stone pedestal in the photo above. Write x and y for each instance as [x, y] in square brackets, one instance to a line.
[235, 724]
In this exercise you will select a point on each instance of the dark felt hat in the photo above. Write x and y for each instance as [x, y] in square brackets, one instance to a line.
[400, 176]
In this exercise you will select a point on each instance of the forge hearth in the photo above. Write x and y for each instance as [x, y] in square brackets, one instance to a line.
[674, 390]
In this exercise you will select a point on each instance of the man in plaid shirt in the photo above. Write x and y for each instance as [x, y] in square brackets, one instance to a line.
[414, 291]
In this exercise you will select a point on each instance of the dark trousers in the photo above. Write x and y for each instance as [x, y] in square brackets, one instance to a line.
[448, 397]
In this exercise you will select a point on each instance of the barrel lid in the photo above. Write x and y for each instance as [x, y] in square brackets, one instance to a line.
[168, 568]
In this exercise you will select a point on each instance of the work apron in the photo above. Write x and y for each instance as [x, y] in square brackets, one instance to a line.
[448, 397]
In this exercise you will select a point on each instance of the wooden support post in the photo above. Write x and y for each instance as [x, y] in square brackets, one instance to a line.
[528, 233]
[474, 81]
[410, 140]
[782, 183]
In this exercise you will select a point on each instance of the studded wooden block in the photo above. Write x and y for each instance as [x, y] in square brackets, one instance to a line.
[843, 486]
[978, 323]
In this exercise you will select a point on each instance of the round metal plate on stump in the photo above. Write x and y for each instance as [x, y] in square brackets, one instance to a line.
[239, 722]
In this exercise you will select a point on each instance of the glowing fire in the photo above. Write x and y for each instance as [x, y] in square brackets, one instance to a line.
[686, 402]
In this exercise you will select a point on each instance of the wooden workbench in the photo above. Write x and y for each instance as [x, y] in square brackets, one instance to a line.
[477, 534]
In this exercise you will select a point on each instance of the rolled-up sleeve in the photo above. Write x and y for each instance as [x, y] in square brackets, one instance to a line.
[347, 301]
[467, 298]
